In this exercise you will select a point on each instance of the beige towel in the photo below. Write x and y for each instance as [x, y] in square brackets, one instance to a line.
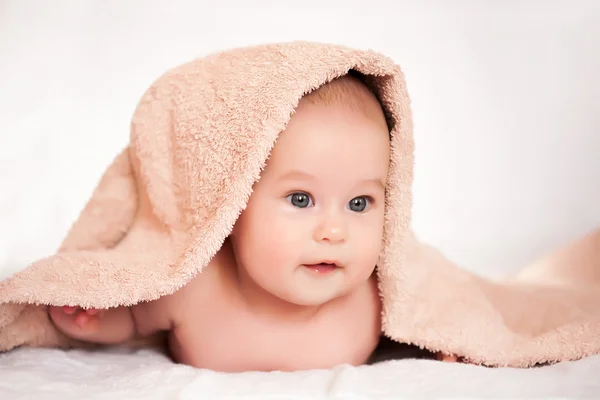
[199, 138]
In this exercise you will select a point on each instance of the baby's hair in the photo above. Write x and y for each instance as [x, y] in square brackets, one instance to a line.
[347, 89]
[350, 91]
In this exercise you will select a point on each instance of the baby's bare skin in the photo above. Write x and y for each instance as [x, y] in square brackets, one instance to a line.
[224, 332]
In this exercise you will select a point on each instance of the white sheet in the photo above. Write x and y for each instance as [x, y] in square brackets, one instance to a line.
[54, 374]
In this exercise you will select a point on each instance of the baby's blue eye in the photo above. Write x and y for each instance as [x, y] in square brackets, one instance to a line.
[358, 204]
[300, 200]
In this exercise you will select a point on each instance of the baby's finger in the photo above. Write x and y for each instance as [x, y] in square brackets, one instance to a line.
[82, 319]
[445, 357]
[69, 310]
[98, 313]
[449, 358]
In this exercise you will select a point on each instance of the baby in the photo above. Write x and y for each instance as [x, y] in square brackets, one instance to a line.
[293, 287]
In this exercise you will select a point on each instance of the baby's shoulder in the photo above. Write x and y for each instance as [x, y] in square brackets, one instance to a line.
[176, 308]
[361, 311]
[349, 331]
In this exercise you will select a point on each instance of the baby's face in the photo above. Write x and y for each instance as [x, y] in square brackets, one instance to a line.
[320, 199]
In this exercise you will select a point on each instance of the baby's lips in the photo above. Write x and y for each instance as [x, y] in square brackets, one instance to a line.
[326, 261]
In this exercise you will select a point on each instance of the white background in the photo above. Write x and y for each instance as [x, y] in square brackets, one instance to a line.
[505, 95]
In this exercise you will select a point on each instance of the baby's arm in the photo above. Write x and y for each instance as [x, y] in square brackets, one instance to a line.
[111, 326]
[117, 325]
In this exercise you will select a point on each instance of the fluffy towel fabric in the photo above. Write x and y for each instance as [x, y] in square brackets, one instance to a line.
[199, 139]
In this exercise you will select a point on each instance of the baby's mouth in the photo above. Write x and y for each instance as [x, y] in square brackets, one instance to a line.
[322, 268]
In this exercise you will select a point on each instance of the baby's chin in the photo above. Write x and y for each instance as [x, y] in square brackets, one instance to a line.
[311, 299]
[307, 288]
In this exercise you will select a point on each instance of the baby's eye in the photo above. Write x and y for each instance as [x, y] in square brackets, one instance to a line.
[359, 204]
[300, 200]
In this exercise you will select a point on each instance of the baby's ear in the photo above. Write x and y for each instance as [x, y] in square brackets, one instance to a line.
[110, 211]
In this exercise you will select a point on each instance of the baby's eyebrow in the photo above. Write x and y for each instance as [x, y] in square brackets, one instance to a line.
[299, 175]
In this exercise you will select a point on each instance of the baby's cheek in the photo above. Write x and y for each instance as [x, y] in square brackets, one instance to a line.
[282, 246]
[283, 229]
[278, 242]
[367, 253]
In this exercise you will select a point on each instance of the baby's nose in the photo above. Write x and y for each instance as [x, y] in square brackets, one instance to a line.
[332, 230]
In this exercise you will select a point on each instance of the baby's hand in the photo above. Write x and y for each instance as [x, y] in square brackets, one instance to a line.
[75, 321]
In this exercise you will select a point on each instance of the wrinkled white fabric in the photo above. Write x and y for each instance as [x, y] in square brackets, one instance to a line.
[57, 375]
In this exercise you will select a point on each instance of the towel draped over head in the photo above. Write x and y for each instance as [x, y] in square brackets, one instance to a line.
[200, 137]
